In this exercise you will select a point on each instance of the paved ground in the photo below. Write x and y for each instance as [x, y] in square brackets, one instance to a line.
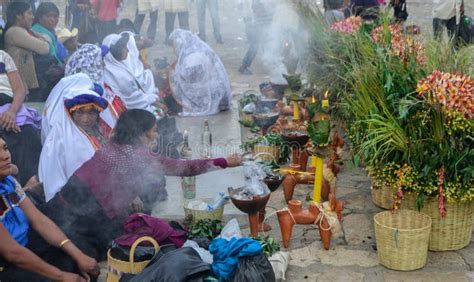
[352, 256]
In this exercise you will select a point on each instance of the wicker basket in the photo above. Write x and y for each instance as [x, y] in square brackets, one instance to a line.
[452, 232]
[382, 196]
[117, 268]
[216, 214]
[402, 239]
[267, 153]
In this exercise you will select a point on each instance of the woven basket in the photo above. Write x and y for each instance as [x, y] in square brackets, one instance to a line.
[382, 196]
[453, 232]
[117, 268]
[402, 239]
[216, 214]
[267, 153]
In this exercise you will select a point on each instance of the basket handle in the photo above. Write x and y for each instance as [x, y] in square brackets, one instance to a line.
[135, 244]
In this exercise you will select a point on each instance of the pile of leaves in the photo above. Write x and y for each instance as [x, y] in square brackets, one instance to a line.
[205, 228]
[269, 245]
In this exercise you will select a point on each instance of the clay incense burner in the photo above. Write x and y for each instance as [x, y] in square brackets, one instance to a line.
[250, 207]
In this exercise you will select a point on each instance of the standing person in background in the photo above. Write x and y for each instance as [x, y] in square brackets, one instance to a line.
[399, 10]
[173, 8]
[367, 9]
[201, 16]
[258, 16]
[144, 7]
[332, 11]
[106, 15]
[446, 13]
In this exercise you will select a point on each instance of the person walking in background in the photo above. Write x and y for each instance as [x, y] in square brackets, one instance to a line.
[106, 15]
[446, 14]
[332, 11]
[173, 8]
[258, 16]
[201, 16]
[144, 7]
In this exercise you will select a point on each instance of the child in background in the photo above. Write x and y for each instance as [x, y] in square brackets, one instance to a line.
[69, 40]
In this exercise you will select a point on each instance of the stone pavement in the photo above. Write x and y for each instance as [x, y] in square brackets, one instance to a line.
[352, 256]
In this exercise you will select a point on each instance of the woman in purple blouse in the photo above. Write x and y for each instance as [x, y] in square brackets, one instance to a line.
[94, 202]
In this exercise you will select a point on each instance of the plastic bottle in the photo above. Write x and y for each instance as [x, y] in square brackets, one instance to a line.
[206, 141]
[218, 201]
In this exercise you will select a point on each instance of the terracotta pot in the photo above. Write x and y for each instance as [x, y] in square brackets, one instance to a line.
[295, 213]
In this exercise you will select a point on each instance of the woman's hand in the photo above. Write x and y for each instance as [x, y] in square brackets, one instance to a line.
[88, 265]
[234, 160]
[72, 277]
[8, 121]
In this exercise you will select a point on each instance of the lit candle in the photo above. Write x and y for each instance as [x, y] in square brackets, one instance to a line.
[325, 102]
[296, 111]
[318, 164]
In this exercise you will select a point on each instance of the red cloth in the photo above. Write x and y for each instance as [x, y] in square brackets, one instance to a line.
[116, 174]
[138, 225]
[106, 10]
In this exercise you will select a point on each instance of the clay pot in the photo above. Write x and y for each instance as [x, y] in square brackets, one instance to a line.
[250, 207]
[295, 213]
[290, 181]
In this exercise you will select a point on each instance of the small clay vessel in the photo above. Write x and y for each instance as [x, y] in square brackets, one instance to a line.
[295, 214]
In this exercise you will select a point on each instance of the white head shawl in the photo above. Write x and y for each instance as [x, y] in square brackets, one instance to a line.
[128, 78]
[54, 105]
[200, 82]
[66, 147]
[87, 59]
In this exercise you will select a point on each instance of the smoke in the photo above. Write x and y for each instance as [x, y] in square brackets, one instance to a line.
[285, 42]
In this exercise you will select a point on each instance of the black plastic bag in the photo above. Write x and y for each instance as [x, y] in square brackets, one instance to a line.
[182, 264]
[202, 242]
[254, 268]
[142, 253]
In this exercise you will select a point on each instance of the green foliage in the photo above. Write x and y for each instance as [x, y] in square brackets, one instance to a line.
[269, 245]
[207, 228]
[390, 126]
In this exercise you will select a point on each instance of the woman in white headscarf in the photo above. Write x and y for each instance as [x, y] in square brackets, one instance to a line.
[77, 126]
[135, 85]
[89, 59]
[126, 75]
[199, 81]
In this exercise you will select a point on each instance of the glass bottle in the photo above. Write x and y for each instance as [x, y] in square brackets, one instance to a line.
[206, 141]
[188, 183]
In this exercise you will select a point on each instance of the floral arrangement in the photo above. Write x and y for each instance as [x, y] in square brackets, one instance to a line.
[406, 103]
[350, 25]
[400, 44]
[453, 92]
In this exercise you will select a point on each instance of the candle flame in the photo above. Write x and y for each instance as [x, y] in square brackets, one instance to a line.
[313, 100]
[326, 94]
[322, 118]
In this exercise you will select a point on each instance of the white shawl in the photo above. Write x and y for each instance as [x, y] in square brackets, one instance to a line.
[65, 147]
[128, 78]
[200, 82]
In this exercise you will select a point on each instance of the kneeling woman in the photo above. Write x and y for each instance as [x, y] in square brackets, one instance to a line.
[93, 203]
[25, 256]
